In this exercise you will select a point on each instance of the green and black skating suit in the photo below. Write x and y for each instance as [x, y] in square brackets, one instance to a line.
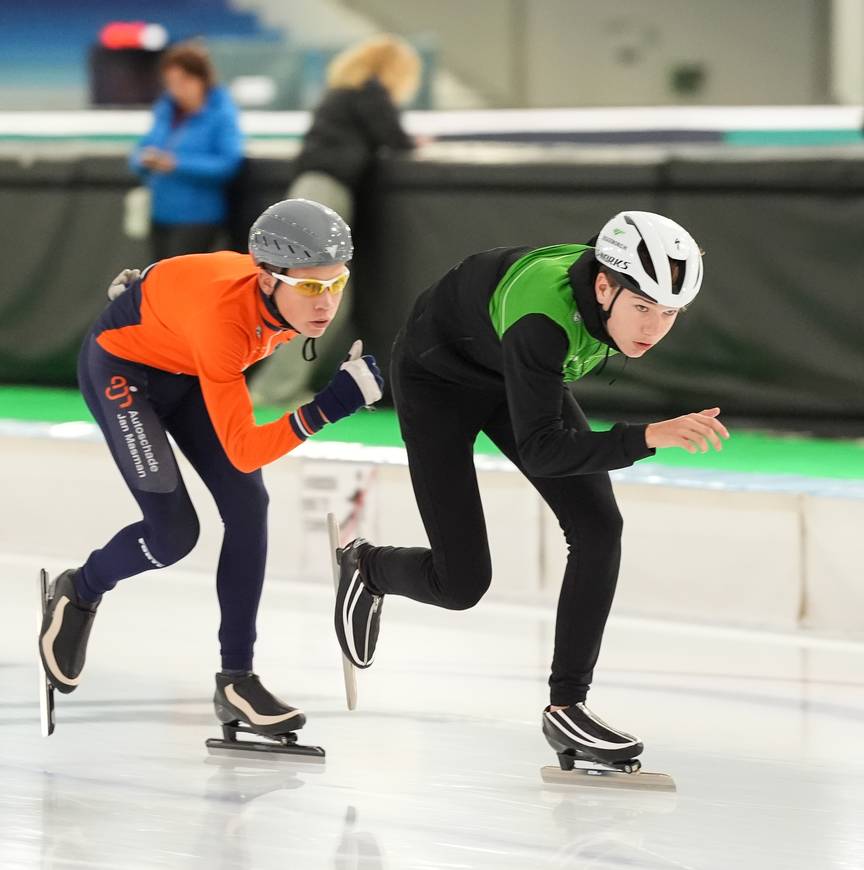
[491, 348]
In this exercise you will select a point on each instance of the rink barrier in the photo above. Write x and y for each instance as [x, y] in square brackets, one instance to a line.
[758, 551]
[451, 199]
[121, 125]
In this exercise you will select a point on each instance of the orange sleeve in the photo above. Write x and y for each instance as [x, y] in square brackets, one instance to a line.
[218, 353]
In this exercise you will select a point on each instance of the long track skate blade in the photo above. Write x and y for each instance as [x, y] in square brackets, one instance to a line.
[349, 672]
[601, 778]
[294, 752]
[46, 690]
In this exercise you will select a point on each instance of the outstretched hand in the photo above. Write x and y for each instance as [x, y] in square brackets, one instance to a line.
[691, 432]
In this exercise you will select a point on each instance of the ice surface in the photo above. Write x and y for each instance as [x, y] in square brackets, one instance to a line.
[440, 765]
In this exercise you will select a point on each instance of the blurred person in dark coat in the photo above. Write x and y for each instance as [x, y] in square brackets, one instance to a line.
[357, 118]
[190, 155]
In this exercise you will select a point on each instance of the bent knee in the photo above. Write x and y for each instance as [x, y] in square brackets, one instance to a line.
[246, 505]
[604, 526]
[466, 592]
[188, 537]
[613, 521]
[172, 542]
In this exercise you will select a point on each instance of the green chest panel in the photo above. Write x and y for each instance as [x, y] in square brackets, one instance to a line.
[538, 284]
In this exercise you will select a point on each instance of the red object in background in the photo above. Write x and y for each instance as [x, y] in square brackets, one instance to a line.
[122, 34]
[124, 63]
[118, 35]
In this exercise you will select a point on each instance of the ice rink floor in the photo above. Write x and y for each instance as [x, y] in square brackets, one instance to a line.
[439, 766]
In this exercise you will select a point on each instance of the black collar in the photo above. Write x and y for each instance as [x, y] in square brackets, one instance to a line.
[270, 305]
[582, 274]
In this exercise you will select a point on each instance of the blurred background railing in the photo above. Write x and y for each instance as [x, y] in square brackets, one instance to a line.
[741, 120]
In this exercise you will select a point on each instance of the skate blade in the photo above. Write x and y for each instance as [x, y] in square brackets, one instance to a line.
[265, 750]
[349, 672]
[260, 762]
[596, 777]
[46, 690]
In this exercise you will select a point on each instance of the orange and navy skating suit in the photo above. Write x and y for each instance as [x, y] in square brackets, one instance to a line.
[203, 315]
[168, 357]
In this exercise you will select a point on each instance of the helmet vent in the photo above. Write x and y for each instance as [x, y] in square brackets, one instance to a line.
[679, 270]
[645, 259]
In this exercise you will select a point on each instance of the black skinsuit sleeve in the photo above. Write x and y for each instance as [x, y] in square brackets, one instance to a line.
[534, 349]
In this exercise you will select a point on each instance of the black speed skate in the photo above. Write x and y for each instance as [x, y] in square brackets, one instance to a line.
[66, 624]
[358, 609]
[244, 706]
[349, 672]
[578, 735]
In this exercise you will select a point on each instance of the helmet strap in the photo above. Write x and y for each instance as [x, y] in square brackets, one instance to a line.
[605, 360]
[606, 313]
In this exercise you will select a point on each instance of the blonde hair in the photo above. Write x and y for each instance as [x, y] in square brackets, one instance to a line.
[387, 58]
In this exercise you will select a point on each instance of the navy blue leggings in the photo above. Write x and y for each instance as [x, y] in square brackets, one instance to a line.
[135, 406]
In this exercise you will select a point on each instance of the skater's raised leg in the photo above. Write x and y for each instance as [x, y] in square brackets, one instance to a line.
[66, 627]
[455, 572]
[439, 424]
[168, 528]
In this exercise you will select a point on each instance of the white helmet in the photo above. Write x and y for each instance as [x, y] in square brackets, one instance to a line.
[637, 246]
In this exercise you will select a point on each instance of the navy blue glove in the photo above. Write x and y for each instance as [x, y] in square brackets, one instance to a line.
[357, 383]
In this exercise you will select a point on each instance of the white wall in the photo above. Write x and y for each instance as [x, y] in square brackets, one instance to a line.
[622, 52]
[774, 559]
[847, 43]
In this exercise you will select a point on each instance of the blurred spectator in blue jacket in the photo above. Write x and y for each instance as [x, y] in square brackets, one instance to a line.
[190, 155]
[357, 118]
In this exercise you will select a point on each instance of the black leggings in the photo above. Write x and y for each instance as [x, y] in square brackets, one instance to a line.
[135, 406]
[440, 422]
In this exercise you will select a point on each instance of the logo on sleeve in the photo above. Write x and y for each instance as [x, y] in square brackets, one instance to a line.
[120, 391]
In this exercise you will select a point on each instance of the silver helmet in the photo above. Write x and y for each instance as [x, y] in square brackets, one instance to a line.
[299, 232]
